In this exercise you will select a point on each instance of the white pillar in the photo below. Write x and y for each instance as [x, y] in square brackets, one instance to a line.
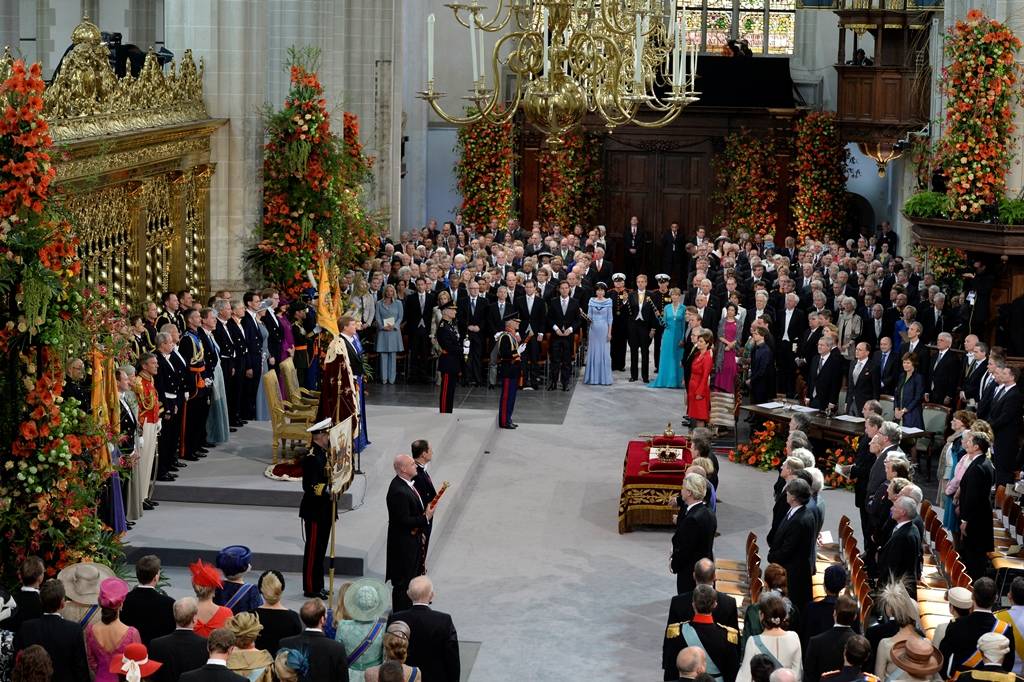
[414, 74]
[231, 36]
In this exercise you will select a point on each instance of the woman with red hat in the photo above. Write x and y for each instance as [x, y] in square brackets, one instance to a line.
[106, 640]
[134, 665]
[205, 582]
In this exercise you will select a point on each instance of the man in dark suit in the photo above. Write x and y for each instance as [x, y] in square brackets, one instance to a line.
[936, 319]
[219, 645]
[863, 463]
[253, 354]
[794, 542]
[897, 557]
[961, 640]
[32, 571]
[976, 538]
[825, 375]
[790, 325]
[477, 319]
[563, 320]
[719, 642]
[975, 369]
[328, 660]
[62, 639]
[876, 326]
[275, 334]
[409, 517]
[641, 319]
[417, 317]
[181, 650]
[856, 658]
[533, 313]
[600, 269]
[231, 345]
[1004, 417]
[824, 652]
[888, 367]
[433, 641]
[146, 608]
[694, 538]
[861, 384]
[681, 608]
[943, 384]
[673, 252]
[633, 248]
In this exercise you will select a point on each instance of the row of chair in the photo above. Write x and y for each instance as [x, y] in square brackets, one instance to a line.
[1008, 531]
[291, 415]
[741, 579]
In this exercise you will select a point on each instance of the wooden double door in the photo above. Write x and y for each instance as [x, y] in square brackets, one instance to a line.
[660, 187]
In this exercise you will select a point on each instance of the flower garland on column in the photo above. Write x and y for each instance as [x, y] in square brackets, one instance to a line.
[486, 171]
[981, 84]
[820, 170]
[746, 175]
[54, 458]
[571, 180]
[313, 184]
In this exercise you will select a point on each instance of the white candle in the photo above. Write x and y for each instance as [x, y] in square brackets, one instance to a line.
[678, 71]
[430, 48]
[482, 70]
[546, 37]
[565, 44]
[472, 48]
[637, 49]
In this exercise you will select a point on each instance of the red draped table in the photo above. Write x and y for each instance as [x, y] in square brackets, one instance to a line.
[648, 486]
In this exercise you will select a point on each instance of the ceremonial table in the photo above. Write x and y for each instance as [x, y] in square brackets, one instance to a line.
[648, 486]
[823, 427]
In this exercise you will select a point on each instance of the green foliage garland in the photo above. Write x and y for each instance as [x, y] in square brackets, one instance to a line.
[486, 172]
[746, 177]
[313, 185]
[571, 179]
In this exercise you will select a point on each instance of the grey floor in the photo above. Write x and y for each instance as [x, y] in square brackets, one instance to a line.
[526, 553]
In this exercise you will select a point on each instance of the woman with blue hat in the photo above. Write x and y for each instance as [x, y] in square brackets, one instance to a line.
[236, 594]
[367, 602]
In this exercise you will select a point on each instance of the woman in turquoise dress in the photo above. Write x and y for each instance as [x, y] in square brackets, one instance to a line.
[726, 357]
[599, 357]
[367, 602]
[262, 408]
[673, 319]
[217, 422]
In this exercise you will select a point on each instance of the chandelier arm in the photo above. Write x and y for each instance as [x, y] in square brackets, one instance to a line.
[661, 122]
[456, 120]
[494, 24]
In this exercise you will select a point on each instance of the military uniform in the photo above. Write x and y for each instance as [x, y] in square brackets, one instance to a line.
[509, 367]
[201, 360]
[315, 511]
[988, 673]
[449, 362]
[620, 328]
[167, 317]
[303, 339]
[720, 643]
[849, 673]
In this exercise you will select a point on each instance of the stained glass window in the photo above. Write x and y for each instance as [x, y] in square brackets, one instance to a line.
[767, 25]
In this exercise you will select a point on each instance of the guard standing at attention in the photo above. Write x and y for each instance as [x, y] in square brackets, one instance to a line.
[509, 368]
[449, 362]
[316, 509]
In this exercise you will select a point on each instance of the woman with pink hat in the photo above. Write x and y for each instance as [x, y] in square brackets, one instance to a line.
[107, 640]
[133, 665]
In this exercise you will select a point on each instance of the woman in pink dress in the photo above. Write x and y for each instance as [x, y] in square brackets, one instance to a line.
[106, 640]
[725, 359]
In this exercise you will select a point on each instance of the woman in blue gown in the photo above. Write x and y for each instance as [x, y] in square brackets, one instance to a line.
[262, 407]
[599, 355]
[673, 319]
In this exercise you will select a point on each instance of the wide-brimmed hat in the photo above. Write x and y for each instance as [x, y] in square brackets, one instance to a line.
[134, 664]
[367, 600]
[291, 665]
[82, 581]
[245, 625]
[234, 559]
[205, 575]
[112, 593]
[917, 657]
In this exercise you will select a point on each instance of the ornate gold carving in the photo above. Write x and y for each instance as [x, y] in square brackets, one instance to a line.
[70, 168]
[87, 99]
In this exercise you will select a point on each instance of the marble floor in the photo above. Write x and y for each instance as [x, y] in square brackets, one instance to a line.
[525, 554]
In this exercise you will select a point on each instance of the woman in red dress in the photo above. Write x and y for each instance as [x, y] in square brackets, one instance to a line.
[698, 389]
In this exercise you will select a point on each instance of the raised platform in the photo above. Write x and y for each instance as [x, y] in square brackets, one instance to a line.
[225, 498]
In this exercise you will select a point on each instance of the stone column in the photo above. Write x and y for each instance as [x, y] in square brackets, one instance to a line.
[10, 26]
[414, 115]
[141, 22]
[231, 36]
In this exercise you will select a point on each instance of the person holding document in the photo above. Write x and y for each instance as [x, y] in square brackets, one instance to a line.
[389, 336]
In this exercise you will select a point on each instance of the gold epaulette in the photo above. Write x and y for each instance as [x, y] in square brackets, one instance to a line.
[732, 634]
[673, 630]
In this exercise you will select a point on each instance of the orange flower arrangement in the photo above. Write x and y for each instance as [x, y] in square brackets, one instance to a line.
[764, 450]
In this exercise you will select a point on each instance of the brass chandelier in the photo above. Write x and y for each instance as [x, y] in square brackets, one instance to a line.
[615, 58]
